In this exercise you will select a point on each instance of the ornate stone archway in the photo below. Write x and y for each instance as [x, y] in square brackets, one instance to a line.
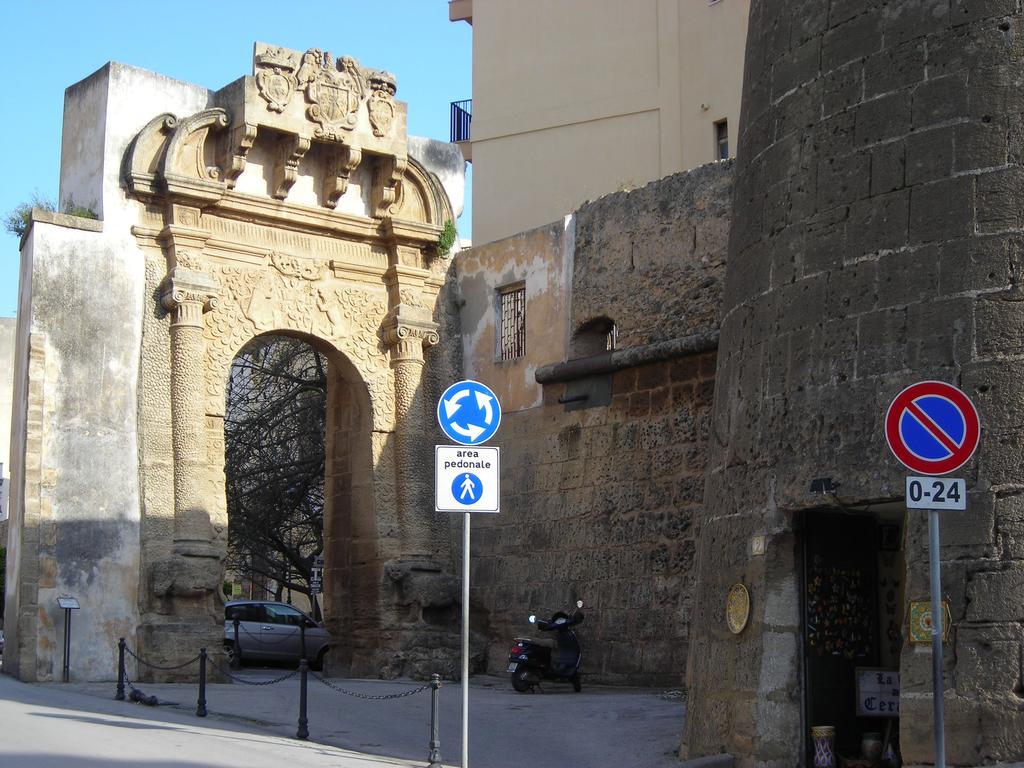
[289, 205]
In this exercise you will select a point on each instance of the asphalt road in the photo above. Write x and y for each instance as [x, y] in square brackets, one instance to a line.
[81, 726]
[49, 727]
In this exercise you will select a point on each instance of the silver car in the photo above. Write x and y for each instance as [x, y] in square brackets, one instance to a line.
[270, 631]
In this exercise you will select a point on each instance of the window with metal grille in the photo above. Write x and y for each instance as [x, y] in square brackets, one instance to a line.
[513, 322]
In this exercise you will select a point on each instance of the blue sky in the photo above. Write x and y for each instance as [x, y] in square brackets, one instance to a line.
[51, 44]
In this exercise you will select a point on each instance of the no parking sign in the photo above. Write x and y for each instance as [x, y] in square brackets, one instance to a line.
[932, 428]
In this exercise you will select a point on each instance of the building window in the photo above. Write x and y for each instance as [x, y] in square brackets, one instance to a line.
[722, 140]
[513, 322]
[594, 337]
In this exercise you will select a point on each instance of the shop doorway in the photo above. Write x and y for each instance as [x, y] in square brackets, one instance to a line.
[854, 574]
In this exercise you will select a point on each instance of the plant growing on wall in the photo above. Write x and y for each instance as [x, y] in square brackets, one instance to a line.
[447, 238]
[274, 462]
[16, 222]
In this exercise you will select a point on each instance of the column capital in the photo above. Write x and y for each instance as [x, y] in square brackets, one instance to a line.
[408, 331]
[188, 294]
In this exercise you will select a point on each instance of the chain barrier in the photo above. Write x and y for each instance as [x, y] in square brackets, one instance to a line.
[370, 697]
[303, 671]
[131, 653]
[264, 641]
[224, 671]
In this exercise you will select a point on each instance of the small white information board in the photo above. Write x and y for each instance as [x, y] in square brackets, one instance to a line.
[937, 493]
[878, 692]
[466, 478]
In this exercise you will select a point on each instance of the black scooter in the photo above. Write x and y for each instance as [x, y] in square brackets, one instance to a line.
[530, 661]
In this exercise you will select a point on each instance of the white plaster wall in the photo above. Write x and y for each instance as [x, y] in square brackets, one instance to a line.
[86, 300]
[102, 114]
[444, 160]
[7, 330]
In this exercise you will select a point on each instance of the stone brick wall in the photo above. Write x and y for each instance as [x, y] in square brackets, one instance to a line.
[600, 497]
[877, 242]
[600, 505]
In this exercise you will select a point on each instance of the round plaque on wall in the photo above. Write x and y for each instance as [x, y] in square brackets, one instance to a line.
[737, 608]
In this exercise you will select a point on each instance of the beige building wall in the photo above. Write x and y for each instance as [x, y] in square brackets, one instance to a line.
[574, 99]
[7, 327]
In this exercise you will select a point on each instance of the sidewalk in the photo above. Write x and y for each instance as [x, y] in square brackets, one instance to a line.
[598, 728]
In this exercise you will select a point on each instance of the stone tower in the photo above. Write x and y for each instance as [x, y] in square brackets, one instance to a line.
[876, 241]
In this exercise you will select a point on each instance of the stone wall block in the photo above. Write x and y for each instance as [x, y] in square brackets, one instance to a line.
[841, 180]
[888, 167]
[856, 38]
[969, 11]
[885, 117]
[894, 69]
[910, 19]
[964, 721]
[825, 237]
[939, 100]
[908, 277]
[929, 155]
[1000, 327]
[1009, 521]
[942, 210]
[878, 224]
[983, 264]
[996, 595]
[800, 66]
[994, 92]
[979, 145]
[987, 666]
[999, 200]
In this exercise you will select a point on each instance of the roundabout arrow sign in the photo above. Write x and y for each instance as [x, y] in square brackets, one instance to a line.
[469, 413]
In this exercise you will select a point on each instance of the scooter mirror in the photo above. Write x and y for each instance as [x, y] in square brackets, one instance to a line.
[533, 619]
[579, 603]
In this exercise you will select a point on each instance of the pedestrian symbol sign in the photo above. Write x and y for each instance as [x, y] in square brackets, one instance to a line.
[467, 488]
[468, 413]
[465, 479]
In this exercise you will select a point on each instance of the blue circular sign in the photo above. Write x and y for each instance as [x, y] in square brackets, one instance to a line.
[467, 488]
[469, 413]
[932, 428]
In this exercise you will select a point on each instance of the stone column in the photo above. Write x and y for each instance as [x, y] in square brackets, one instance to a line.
[408, 332]
[187, 294]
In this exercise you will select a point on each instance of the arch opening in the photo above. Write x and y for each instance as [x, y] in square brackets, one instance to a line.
[299, 498]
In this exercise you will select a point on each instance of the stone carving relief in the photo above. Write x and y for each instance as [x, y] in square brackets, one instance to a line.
[334, 90]
[255, 301]
[381, 105]
[275, 78]
[293, 266]
[335, 94]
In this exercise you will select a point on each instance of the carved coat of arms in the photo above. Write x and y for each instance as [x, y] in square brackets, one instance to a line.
[335, 93]
[275, 78]
[381, 105]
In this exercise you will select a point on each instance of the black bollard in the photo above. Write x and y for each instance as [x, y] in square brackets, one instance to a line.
[302, 637]
[236, 660]
[120, 670]
[435, 725]
[201, 703]
[303, 732]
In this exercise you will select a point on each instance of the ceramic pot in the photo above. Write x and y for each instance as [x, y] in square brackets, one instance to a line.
[871, 746]
[824, 737]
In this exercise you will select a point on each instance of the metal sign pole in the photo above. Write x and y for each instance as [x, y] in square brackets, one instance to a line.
[465, 640]
[937, 683]
[67, 645]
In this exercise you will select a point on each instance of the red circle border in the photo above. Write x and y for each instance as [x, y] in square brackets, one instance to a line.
[972, 428]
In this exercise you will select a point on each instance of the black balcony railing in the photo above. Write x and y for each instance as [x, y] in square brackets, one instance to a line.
[462, 117]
